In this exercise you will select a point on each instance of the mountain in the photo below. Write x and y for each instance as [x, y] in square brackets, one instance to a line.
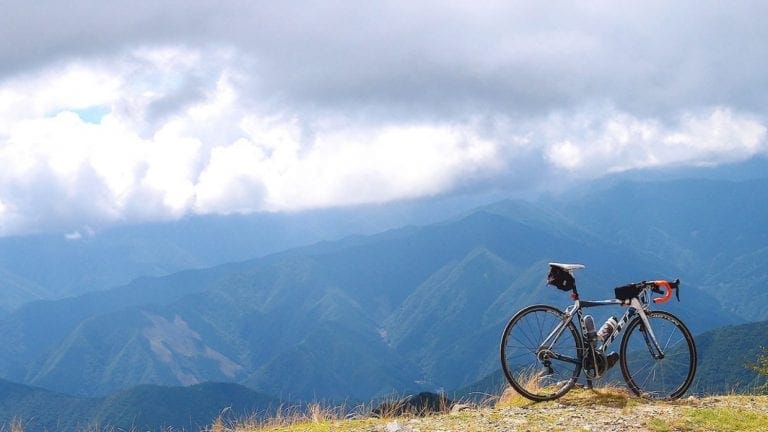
[420, 307]
[145, 407]
[714, 231]
[50, 266]
[150, 407]
[38, 409]
[725, 354]
[16, 290]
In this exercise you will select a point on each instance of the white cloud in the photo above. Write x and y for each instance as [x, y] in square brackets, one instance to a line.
[154, 154]
[216, 153]
[615, 142]
[377, 164]
[195, 107]
[275, 168]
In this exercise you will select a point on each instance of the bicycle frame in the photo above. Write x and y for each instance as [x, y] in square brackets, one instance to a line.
[638, 306]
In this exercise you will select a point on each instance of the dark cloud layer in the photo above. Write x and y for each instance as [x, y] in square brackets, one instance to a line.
[527, 57]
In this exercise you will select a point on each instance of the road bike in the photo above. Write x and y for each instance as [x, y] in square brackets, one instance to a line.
[544, 350]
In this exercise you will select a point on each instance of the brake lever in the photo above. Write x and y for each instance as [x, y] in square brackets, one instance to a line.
[676, 286]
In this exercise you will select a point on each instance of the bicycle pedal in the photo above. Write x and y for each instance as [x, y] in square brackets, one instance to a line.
[612, 359]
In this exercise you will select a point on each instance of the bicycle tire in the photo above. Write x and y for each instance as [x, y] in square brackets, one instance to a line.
[668, 378]
[525, 369]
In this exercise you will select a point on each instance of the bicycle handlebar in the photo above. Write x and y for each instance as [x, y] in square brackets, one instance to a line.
[659, 284]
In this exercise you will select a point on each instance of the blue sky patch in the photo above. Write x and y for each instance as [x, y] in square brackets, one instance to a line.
[93, 114]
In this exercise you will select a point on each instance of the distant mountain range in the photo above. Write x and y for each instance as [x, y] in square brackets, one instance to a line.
[53, 266]
[414, 308]
[145, 407]
[715, 232]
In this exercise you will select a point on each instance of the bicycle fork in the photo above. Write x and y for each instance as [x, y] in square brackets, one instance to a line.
[650, 338]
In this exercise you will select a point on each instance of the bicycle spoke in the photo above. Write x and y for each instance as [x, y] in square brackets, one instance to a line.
[658, 378]
[540, 372]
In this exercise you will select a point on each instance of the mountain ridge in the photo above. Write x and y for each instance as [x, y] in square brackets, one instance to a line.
[143, 407]
[327, 308]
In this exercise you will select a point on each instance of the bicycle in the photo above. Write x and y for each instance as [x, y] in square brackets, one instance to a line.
[543, 352]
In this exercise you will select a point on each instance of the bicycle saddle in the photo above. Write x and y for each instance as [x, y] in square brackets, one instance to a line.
[567, 267]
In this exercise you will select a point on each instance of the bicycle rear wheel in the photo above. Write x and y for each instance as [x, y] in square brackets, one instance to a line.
[658, 378]
[537, 373]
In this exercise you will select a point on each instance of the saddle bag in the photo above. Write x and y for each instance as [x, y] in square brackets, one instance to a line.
[561, 279]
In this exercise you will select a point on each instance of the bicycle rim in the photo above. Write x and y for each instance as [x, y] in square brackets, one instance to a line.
[667, 378]
[533, 373]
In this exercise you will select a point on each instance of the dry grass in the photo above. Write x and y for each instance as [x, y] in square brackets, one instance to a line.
[284, 418]
[607, 395]
[531, 381]
[15, 425]
[317, 417]
[607, 407]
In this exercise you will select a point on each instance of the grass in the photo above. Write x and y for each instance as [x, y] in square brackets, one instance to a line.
[703, 419]
[311, 426]
[580, 409]
[15, 426]
[730, 413]
[316, 417]
[606, 396]
[609, 396]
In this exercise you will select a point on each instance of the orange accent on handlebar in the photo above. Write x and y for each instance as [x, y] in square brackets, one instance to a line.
[667, 295]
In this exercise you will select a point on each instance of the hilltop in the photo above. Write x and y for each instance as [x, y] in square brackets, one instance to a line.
[602, 410]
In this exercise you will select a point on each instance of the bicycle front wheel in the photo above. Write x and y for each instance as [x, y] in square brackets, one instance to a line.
[536, 371]
[649, 374]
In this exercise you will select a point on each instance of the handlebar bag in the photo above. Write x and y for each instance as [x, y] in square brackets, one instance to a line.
[628, 292]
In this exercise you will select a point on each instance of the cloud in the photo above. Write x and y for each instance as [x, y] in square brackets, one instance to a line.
[148, 111]
[516, 55]
[617, 142]
[211, 153]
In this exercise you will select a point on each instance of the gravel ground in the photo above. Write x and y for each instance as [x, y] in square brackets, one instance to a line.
[617, 414]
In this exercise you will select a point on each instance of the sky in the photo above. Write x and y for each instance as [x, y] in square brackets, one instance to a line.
[129, 112]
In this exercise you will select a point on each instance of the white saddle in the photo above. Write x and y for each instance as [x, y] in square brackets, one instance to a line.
[567, 267]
